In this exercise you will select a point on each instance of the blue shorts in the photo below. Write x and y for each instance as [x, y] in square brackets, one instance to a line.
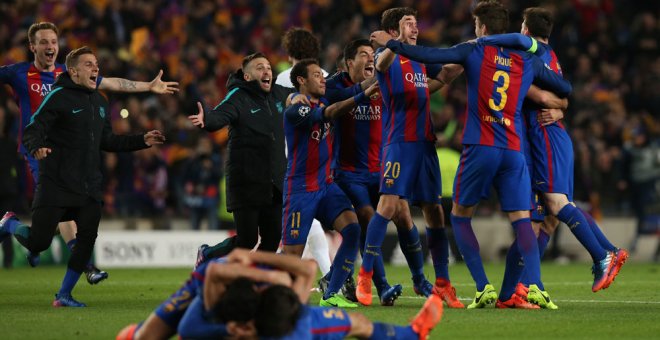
[552, 159]
[482, 166]
[172, 310]
[301, 208]
[411, 171]
[360, 187]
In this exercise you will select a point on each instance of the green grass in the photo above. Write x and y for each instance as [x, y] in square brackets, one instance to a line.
[630, 308]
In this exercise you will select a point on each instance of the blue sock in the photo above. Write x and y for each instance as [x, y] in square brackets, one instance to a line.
[579, 226]
[375, 236]
[595, 229]
[70, 279]
[439, 248]
[512, 272]
[411, 246]
[469, 247]
[379, 278]
[344, 259]
[529, 248]
[392, 332]
[542, 241]
[11, 225]
[71, 244]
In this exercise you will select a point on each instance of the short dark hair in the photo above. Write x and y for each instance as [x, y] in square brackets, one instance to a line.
[239, 302]
[492, 14]
[248, 58]
[301, 44]
[391, 17]
[539, 21]
[278, 311]
[300, 70]
[72, 58]
[38, 26]
[350, 51]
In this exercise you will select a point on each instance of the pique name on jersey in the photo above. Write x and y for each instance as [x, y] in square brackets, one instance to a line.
[418, 79]
[366, 112]
[502, 61]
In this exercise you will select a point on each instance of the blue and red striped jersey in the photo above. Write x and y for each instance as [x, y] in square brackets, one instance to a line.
[30, 87]
[543, 51]
[497, 79]
[530, 109]
[358, 134]
[309, 144]
[405, 91]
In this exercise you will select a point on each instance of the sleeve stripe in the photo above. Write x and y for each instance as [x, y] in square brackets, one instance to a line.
[227, 97]
[534, 46]
[42, 104]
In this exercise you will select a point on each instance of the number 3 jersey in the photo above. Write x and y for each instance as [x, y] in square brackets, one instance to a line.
[498, 80]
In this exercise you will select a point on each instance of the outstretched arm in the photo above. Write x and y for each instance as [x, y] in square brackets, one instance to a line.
[157, 85]
[338, 109]
[511, 40]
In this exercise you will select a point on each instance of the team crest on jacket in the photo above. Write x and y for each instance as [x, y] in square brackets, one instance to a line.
[102, 112]
[279, 106]
[303, 111]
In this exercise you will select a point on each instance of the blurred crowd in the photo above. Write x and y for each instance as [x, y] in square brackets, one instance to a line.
[609, 50]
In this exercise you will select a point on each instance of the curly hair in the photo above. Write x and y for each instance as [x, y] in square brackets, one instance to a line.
[492, 14]
[301, 44]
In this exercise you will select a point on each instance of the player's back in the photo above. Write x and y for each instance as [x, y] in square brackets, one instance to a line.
[309, 144]
[357, 134]
[498, 79]
[406, 110]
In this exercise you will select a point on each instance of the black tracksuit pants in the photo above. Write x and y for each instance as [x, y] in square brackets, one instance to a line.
[266, 221]
[44, 224]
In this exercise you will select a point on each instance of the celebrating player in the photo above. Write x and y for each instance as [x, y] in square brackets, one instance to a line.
[33, 81]
[410, 169]
[492, 140]
[309, 190]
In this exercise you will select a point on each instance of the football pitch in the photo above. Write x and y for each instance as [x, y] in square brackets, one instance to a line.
[629, 309]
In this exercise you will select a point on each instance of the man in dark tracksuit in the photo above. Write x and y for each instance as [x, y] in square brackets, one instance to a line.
[256, 162]
[66, 135]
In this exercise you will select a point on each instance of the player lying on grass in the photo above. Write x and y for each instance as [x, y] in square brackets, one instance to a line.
[242, 297]
[279, 310]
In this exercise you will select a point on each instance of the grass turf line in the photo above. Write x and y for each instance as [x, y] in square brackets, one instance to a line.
[628, 309]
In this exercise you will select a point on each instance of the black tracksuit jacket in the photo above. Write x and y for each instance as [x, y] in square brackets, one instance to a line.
[74, 122]
[256, 162]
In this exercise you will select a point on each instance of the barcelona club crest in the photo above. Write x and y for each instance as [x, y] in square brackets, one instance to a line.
[294, 233]
[389, 182]
[102, 112]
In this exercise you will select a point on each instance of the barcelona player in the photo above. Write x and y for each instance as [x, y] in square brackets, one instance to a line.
[357, 146]
[409, 167]
[492, 140]
[551, 156]
[32, 82]
[235, 305]
[309, 190]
